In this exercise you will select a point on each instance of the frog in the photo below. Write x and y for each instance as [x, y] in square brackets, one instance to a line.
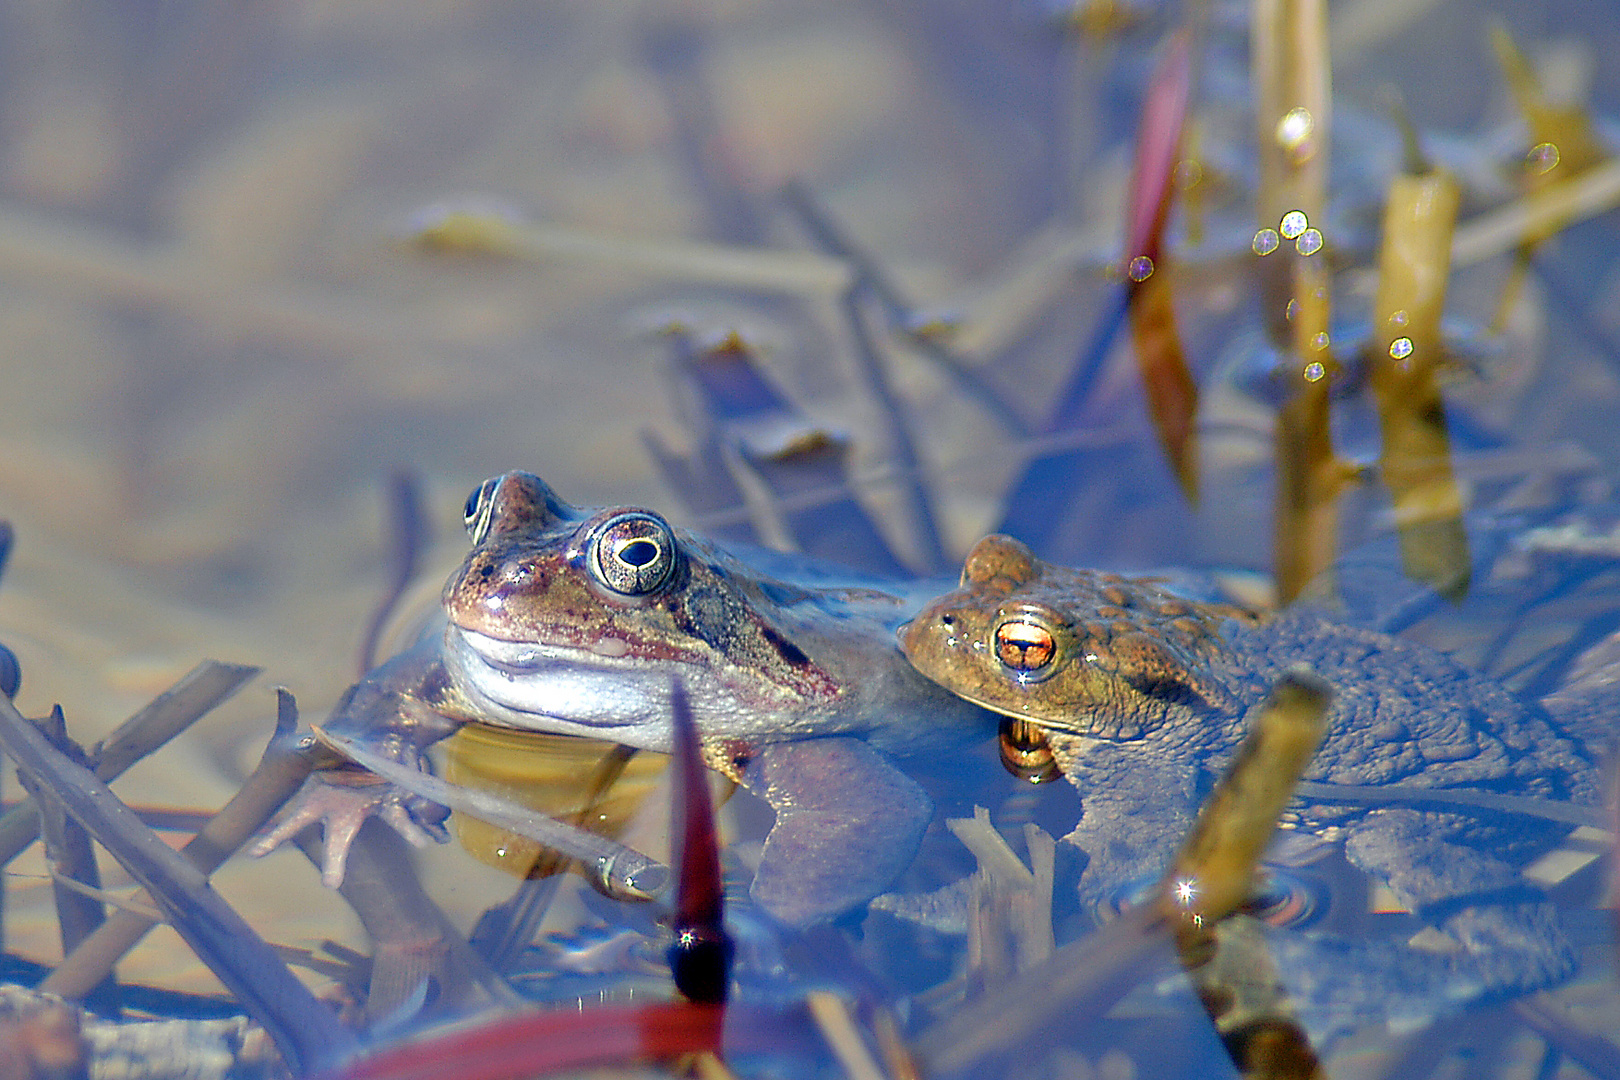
[1140, 695]
[573, 621]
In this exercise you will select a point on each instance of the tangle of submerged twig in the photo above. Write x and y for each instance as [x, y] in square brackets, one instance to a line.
[280, 772]
[171, 712]
[305, 1031]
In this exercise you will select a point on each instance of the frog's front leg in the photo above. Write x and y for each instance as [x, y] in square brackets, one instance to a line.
[394, 710]
[847, 824]
[1136, 808]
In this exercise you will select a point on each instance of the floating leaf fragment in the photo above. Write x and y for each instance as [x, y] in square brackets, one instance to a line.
[1172, 392]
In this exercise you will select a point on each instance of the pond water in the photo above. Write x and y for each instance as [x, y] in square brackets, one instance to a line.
[218, 339]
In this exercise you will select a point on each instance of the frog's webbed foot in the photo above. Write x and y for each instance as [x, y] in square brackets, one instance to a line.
[847, 823]
[339, 800]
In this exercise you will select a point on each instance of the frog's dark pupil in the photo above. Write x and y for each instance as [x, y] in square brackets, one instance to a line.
[638, 552]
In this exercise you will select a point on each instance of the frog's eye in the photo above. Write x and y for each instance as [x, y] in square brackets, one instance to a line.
[633, 553]
[480, 505]
[1025, 647]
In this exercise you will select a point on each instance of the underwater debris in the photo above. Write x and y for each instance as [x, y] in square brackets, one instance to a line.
[305, 1031]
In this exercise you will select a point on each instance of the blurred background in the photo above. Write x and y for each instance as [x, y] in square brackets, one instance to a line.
[219, 332]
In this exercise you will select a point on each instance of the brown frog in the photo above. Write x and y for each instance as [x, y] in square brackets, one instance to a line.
[1141, 696]
[572, 621]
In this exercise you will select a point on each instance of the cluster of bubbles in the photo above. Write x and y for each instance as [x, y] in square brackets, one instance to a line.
[1295, 226]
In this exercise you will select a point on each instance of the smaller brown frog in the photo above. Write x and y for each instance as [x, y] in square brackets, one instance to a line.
[1141, 696]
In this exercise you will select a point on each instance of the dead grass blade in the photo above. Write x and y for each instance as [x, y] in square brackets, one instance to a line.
[700, 958]
[1172, 393]
[280, 772]
[408, 536]
[623, 872]
[530, 1044]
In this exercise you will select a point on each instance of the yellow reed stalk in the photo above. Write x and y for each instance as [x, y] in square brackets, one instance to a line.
[488, 232]
[1223, 952]
[1413, 267]
[1293, 89]
[1562, 146]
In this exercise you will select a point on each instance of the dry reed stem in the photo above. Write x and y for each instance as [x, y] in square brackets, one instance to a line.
[838, 1028]
[1293, 100]
[1415, 457]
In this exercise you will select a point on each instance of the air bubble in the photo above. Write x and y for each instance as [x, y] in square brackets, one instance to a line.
[1542, 159]
[1399, 318]
[1320, 342]
[1309, 242]
[1291, 312]
[1141, 268]
[1314, 372]
[1266, 241]
[1294, 132]
[1293, 224]
[1400, 348]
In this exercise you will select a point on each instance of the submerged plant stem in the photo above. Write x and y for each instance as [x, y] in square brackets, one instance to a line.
[280, 772]
[304, 1030]
[170, 713]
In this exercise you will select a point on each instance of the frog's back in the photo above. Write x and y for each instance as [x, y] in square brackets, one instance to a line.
[1408, 715]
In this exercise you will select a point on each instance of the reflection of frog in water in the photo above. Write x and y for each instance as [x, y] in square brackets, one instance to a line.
[578, 622]
[1142, 695]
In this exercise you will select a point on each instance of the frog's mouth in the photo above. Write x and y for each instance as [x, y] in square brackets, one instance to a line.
[560, 689]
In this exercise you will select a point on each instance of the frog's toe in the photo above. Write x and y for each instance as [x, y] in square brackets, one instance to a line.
[847, 824]
[416, 819]
[339, 801]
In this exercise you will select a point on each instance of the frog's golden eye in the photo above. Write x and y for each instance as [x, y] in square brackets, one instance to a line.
[1025, 646]
[480, 505]
[633, 553]
[1025, 752]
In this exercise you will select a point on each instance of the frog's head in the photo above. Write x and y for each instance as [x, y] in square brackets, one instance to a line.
[578, 621]
[1095, 654]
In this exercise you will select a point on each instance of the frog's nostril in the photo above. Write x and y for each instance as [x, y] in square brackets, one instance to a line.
[947, 620]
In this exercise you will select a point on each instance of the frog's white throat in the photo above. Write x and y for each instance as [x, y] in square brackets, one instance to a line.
[566, 691]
